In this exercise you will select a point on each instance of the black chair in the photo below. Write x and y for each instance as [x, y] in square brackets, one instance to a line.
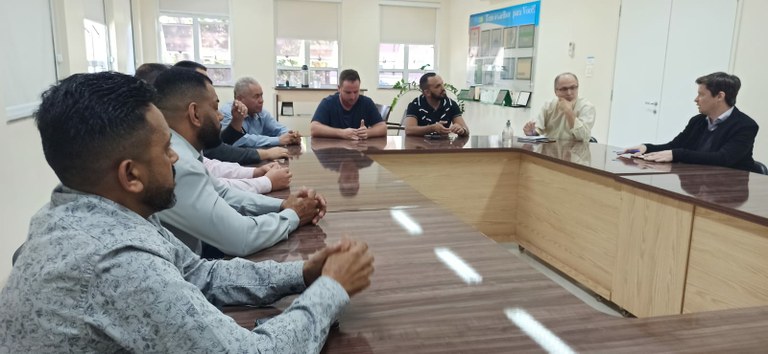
[592, 139]
[385, 110]
[760, 168]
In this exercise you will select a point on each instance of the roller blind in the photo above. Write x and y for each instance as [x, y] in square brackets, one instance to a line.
[27, 60]
[410, 25]
[200, 7]
[307, 20]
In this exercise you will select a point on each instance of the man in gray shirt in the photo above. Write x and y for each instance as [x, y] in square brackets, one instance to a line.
[99, 274]
[236, 222]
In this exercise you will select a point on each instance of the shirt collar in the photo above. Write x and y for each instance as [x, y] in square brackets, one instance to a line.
[184, 144]
[712, 125]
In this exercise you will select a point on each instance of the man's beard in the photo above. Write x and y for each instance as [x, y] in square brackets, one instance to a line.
[210, 135]
[161, 197]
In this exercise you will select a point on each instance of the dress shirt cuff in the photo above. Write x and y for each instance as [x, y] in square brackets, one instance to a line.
[292, 217]
[294, 276]
[244, 172]
[274, 140]
[329, 289]
[263, 184]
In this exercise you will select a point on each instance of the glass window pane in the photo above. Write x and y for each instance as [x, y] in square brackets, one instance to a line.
[214, 42]
[290, 77]
[96, 46]
[324, 78]
[290, 53]
[389, 78]
[414, 76]
[323, 54]
[220, 76]
[391, 56]
[178, 43]
[420, 56]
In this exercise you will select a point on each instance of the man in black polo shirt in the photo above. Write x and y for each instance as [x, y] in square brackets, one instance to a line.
[433, 112]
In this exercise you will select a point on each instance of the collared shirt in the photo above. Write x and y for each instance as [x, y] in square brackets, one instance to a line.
[425, 114]
[553, 123]
[259, 130]
[713, 125]
[235, 221]
[95, 277]
[234, 175]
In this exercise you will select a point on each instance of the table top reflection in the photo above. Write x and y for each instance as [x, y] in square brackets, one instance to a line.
[441, 286]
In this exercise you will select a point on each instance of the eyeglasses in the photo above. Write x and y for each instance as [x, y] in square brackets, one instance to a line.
[569, 88]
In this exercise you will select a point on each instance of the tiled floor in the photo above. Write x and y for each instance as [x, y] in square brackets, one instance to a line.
[574, 288]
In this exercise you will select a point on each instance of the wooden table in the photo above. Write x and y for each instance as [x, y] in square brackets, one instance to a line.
[597, 219]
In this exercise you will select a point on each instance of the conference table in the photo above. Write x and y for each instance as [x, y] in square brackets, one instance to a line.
[679, 247]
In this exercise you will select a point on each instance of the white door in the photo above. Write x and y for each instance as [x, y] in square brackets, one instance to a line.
[663, 47]
[638, 75]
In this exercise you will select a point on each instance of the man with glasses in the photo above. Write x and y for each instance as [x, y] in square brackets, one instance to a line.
[566, 117]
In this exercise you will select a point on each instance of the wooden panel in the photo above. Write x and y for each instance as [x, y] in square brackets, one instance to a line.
[479, 188]
[727, 266]
[570, 218]
[654, 235]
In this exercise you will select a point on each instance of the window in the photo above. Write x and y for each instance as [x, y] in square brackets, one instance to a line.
[201, 39]
[407, 46]
[307, 34]
[404, 61]
[96, 46]
[320, 56]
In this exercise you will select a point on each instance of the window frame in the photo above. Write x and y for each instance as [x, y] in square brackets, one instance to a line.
[307, 60]
[406, 71]
[197, 40]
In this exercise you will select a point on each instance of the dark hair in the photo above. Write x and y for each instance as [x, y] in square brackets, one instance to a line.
[350, 75]
[188, 64]
[149, 71]
[177, 87]
[722, 82]
[564, 74]
[90, 122]
[424, 81]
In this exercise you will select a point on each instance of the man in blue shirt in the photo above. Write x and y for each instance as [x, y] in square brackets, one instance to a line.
[254, 127]
[346, 114]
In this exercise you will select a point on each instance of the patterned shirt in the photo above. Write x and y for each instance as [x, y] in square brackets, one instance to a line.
[426, 115]
[95, 277]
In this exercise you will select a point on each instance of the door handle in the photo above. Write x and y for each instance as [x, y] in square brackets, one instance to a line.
[652, 103]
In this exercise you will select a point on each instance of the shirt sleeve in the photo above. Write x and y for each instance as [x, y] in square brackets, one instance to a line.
[261, 185]
[585, 120]
[372, 114]
[323, 112]
[412, 110]
[229, 153]
[223, 169]
[541, 119]
[147, 303]
[236, 222]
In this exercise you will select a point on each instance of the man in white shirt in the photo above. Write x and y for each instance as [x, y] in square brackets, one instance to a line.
[567, 116]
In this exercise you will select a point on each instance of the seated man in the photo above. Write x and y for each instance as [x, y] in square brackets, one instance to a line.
[258, 128]
[346, 114]
[260, 180]
[229, 153]
[236, 222]
[566, 117]
[433, 112]
[720, 135]
[98, 274]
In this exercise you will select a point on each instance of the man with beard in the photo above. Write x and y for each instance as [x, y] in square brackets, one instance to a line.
[236, 222]
[346, 114]
[565, 117]
[99, 274]
[433, 112]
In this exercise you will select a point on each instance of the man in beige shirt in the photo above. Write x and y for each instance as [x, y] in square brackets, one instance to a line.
[566, 117]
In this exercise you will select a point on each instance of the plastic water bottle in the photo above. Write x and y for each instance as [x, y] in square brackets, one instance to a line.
[507, 133]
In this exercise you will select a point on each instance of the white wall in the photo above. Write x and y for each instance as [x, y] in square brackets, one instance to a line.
[749, 65]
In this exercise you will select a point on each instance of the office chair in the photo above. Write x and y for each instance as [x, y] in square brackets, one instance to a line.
[760, 168]
[384, 110]
[592, 139]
